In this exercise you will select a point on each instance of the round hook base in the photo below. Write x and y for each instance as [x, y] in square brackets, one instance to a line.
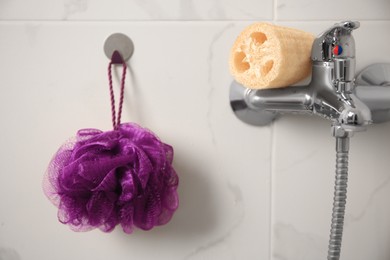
[120, 43]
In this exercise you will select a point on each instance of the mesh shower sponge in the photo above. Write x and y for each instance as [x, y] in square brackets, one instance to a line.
[123, 176]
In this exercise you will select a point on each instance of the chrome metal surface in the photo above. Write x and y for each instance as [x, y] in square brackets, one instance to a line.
[121, 43]
[339, 199]
[344, 69]
[319, 97]
[339, 34]
[246, 112]
[372, 89]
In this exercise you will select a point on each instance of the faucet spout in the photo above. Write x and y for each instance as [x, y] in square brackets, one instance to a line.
[293, 99]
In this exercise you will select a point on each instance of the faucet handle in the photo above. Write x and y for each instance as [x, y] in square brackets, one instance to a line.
[337, 41]
[348, 25]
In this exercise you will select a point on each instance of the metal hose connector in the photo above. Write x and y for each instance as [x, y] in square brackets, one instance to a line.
[340, 197]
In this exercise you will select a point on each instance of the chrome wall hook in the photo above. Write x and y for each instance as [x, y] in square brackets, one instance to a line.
[118, 48]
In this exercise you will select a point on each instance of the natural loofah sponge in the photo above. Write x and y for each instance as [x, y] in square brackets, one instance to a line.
[271, 56]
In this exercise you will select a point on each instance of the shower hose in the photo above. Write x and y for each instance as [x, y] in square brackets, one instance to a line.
[340, 197]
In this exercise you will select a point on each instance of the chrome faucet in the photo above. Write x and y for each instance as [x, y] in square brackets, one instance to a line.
[350, 103]
[333, 92]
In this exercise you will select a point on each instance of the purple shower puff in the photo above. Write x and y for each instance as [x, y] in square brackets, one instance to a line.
[102, 179]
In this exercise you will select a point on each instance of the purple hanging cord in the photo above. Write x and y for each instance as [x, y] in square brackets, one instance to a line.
[115, 60]
[125, 176]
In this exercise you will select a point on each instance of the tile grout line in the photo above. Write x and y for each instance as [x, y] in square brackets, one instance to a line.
[269, 206]
[272, 158]
[271, 190]
[179, 21]
[275, 13]
[271, 150]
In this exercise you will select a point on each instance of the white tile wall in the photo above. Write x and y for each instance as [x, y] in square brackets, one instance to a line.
[246, 192]
[136, 10]
[332, 9]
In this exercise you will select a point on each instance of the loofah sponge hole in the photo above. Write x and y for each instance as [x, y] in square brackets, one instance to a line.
[239, 62]
[258, 37]
[267, 67]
